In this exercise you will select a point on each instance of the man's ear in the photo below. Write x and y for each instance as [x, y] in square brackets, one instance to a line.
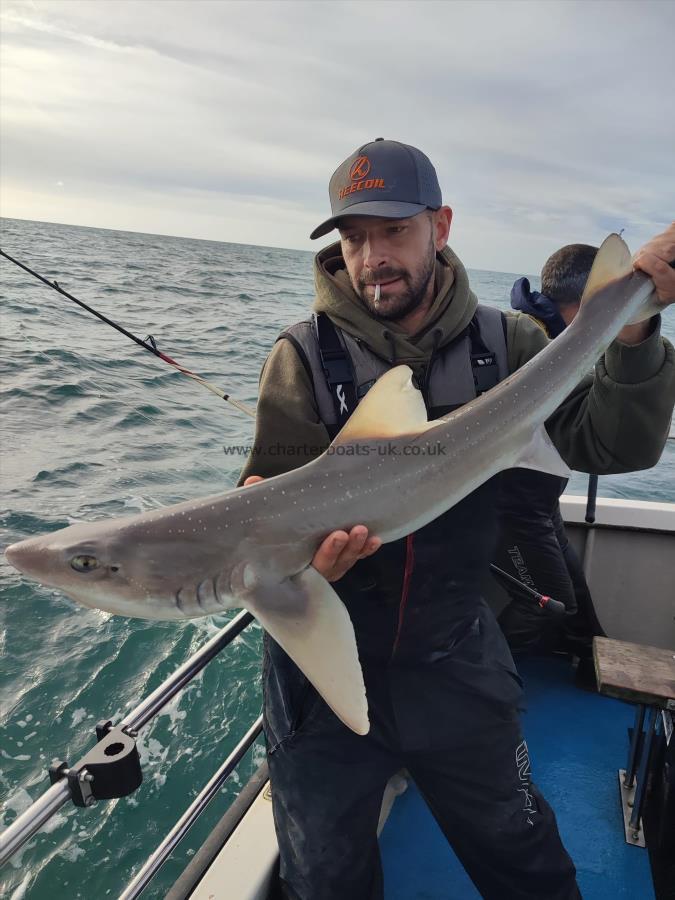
[568, 311]
[442, 219]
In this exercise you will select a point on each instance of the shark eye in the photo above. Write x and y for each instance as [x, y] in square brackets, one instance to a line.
[84, 563]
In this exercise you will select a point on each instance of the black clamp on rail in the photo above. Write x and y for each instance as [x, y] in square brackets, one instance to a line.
[109, 770]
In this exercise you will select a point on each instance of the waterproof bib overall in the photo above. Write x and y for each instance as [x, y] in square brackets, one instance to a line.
[443, 692]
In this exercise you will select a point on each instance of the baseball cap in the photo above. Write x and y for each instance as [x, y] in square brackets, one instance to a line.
[382, 178]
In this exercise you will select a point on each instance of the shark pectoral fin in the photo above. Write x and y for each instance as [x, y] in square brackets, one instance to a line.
[541, 454]
[392, 407]
[306, 617]
[612, 261]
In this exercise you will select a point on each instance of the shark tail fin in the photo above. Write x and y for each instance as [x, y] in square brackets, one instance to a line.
[612, 262]
[308, 620]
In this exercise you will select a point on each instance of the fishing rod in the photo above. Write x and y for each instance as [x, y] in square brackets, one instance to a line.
[148, 344]
[104, 393]
[555, 607]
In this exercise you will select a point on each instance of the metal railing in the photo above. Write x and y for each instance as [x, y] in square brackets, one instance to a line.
[33, 818]
[190, 816]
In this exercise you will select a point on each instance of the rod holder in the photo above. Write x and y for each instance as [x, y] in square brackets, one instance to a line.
[109, 770]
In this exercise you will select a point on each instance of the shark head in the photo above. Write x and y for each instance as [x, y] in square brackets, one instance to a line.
[106, 568]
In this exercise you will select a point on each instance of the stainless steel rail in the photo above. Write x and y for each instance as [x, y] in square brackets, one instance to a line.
[190, 816]
[148, 708]
[33, 818]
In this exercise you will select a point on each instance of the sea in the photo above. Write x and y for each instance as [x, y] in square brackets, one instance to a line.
[94, 427]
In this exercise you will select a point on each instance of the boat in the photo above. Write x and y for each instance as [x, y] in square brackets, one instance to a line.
[596, 758]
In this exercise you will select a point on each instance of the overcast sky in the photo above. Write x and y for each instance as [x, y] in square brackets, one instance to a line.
[548, 122]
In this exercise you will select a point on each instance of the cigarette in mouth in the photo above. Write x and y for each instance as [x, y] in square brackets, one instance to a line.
[377, 292]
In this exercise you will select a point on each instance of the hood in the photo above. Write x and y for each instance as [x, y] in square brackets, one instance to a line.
[538, 305]
[451, 311]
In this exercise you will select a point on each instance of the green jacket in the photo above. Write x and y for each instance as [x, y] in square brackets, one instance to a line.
[616, 420]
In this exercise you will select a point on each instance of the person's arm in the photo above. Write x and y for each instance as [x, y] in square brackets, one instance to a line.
[288, 431]
[617, 419]
[655, 259]
[289, 434]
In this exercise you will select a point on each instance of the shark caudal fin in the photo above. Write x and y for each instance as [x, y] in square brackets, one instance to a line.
[613, 262]
[308, 620]
[392, 407]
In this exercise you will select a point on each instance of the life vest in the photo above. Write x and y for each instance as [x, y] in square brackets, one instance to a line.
[344, 368]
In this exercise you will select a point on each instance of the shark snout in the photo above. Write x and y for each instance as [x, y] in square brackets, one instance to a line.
[26, 556]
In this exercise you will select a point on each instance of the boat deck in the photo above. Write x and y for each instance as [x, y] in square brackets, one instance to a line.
[577, 741]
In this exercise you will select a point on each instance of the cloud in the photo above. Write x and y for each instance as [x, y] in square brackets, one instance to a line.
[546, 122]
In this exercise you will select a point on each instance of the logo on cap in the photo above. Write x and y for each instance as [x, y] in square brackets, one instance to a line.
[360, 168]
[357, 174]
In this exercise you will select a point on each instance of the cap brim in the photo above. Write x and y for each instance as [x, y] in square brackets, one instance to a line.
[383, 209]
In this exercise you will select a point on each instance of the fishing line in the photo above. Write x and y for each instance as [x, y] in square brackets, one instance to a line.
[148, 344]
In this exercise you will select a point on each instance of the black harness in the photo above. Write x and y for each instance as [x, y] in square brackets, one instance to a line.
[337, 367]
[339, 371]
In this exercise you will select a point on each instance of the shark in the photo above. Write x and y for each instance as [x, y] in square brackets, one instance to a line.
[252, 546]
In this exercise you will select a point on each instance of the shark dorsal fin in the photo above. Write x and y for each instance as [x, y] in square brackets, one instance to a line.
[612, 261]
[392, 407]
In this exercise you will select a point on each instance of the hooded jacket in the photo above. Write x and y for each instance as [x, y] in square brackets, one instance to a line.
[538, 305]
[616, 420]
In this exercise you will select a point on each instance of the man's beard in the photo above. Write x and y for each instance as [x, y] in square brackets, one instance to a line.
[397, 307]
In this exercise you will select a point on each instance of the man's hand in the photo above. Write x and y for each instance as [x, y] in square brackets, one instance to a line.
[654, 260]
[340, 550]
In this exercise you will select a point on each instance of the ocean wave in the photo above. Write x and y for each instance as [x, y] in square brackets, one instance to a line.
[70, 469]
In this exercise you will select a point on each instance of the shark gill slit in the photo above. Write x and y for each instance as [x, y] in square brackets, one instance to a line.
[203, 601]
[198, 596]
[179, 602]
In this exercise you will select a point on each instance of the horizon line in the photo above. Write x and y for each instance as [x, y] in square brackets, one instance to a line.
[212, 241]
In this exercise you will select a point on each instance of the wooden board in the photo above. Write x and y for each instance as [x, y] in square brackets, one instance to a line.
[635, 672]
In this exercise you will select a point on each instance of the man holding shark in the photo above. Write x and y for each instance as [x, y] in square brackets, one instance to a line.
[398, 662]
[442, 690]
